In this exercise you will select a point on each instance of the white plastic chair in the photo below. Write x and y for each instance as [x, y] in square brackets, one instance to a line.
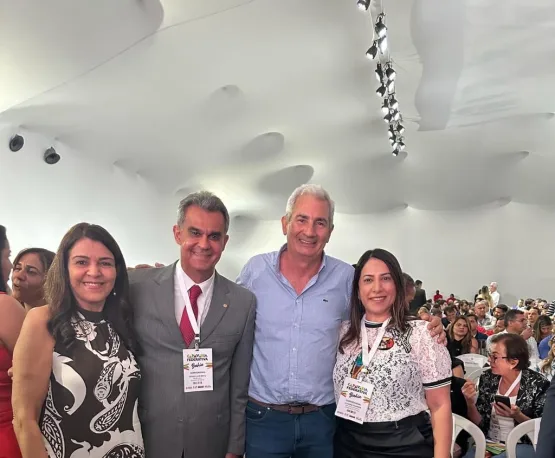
[530, 427]
[473, 359]
[461, 423]
[475, 375]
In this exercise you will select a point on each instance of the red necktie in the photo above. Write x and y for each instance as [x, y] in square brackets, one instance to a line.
[185, 324]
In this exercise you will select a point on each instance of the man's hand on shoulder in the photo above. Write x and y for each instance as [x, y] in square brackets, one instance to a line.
[435, 326]
[146, 266]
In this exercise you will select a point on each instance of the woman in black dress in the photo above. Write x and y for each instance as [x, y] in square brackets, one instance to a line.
[76, 380]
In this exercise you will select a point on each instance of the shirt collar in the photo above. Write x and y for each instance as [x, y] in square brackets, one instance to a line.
[204, 286]
[284, 247]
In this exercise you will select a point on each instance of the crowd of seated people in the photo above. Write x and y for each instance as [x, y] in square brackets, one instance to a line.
[519, 345]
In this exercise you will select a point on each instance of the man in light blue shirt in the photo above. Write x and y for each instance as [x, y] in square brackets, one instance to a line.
[302, 297]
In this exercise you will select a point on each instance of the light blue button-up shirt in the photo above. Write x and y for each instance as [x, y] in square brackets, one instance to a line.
[296, 335]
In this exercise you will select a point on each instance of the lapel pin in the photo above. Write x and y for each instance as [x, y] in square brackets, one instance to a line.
[225, 306]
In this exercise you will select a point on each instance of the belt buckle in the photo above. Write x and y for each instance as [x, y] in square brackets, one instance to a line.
[296, 404]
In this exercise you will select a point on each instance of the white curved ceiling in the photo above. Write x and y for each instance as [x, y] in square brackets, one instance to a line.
[252, 98]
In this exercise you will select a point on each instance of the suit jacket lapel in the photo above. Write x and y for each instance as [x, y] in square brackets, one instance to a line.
[217, 310]
[164, 300]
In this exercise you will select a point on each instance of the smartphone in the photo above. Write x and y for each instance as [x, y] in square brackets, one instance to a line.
[503, 400]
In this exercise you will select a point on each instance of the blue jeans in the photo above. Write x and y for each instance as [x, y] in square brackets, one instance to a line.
[522, 451]
[273, 434]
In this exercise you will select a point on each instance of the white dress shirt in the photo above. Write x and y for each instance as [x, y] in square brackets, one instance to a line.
[203, 301]
[495, 296]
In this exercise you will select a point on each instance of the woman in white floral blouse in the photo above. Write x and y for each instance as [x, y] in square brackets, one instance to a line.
[401, 369]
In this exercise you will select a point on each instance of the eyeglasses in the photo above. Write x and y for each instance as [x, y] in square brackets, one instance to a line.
[494, 358]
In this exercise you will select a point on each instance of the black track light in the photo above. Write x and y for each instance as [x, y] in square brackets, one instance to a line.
[380, 27]
[363, 5]
[390, 132]
[382, 44]
[400, 128]
[393, 103]
[387, 118]
[395, 152]
[385, 107]
[391, 87]
[390, 73]
[381, 91]
[372, 51]
[396, 140]
[379, 72]
[16, 143]
[51, 157]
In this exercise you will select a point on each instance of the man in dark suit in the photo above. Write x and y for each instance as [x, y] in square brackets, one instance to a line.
[201, 423]
[419, 298]
[546, 439]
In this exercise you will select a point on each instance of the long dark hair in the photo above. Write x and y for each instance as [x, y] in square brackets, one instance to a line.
[466, 341]
[399, 311]
[3, 243]
[62, 302]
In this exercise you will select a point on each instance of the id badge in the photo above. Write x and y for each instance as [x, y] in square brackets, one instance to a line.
[354, 400]
[198, 370]
[494, 432]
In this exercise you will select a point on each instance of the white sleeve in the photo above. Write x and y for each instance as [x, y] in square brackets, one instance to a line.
[533, 348]
[434, 362]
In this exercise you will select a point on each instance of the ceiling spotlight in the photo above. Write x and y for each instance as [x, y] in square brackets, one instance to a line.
[387, 118]
[380, 27]
[379, 72]
[396, 115]
[393, 103]
[400, 128]
[16, 143]
[395, 152]
[401, 145]
[372, 51]
[381, 90]
[51, 157]
[390, 132]
[397, 138]
[390, 73]
[382, 44]
[391, 87]
[385, 107]
[363, 5]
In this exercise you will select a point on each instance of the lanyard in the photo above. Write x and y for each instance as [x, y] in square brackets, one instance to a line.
[368, 355]
[189, 309]
[515, 383]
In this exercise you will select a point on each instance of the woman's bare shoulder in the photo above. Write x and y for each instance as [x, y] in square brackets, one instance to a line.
[10, 307]
[38, 316]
